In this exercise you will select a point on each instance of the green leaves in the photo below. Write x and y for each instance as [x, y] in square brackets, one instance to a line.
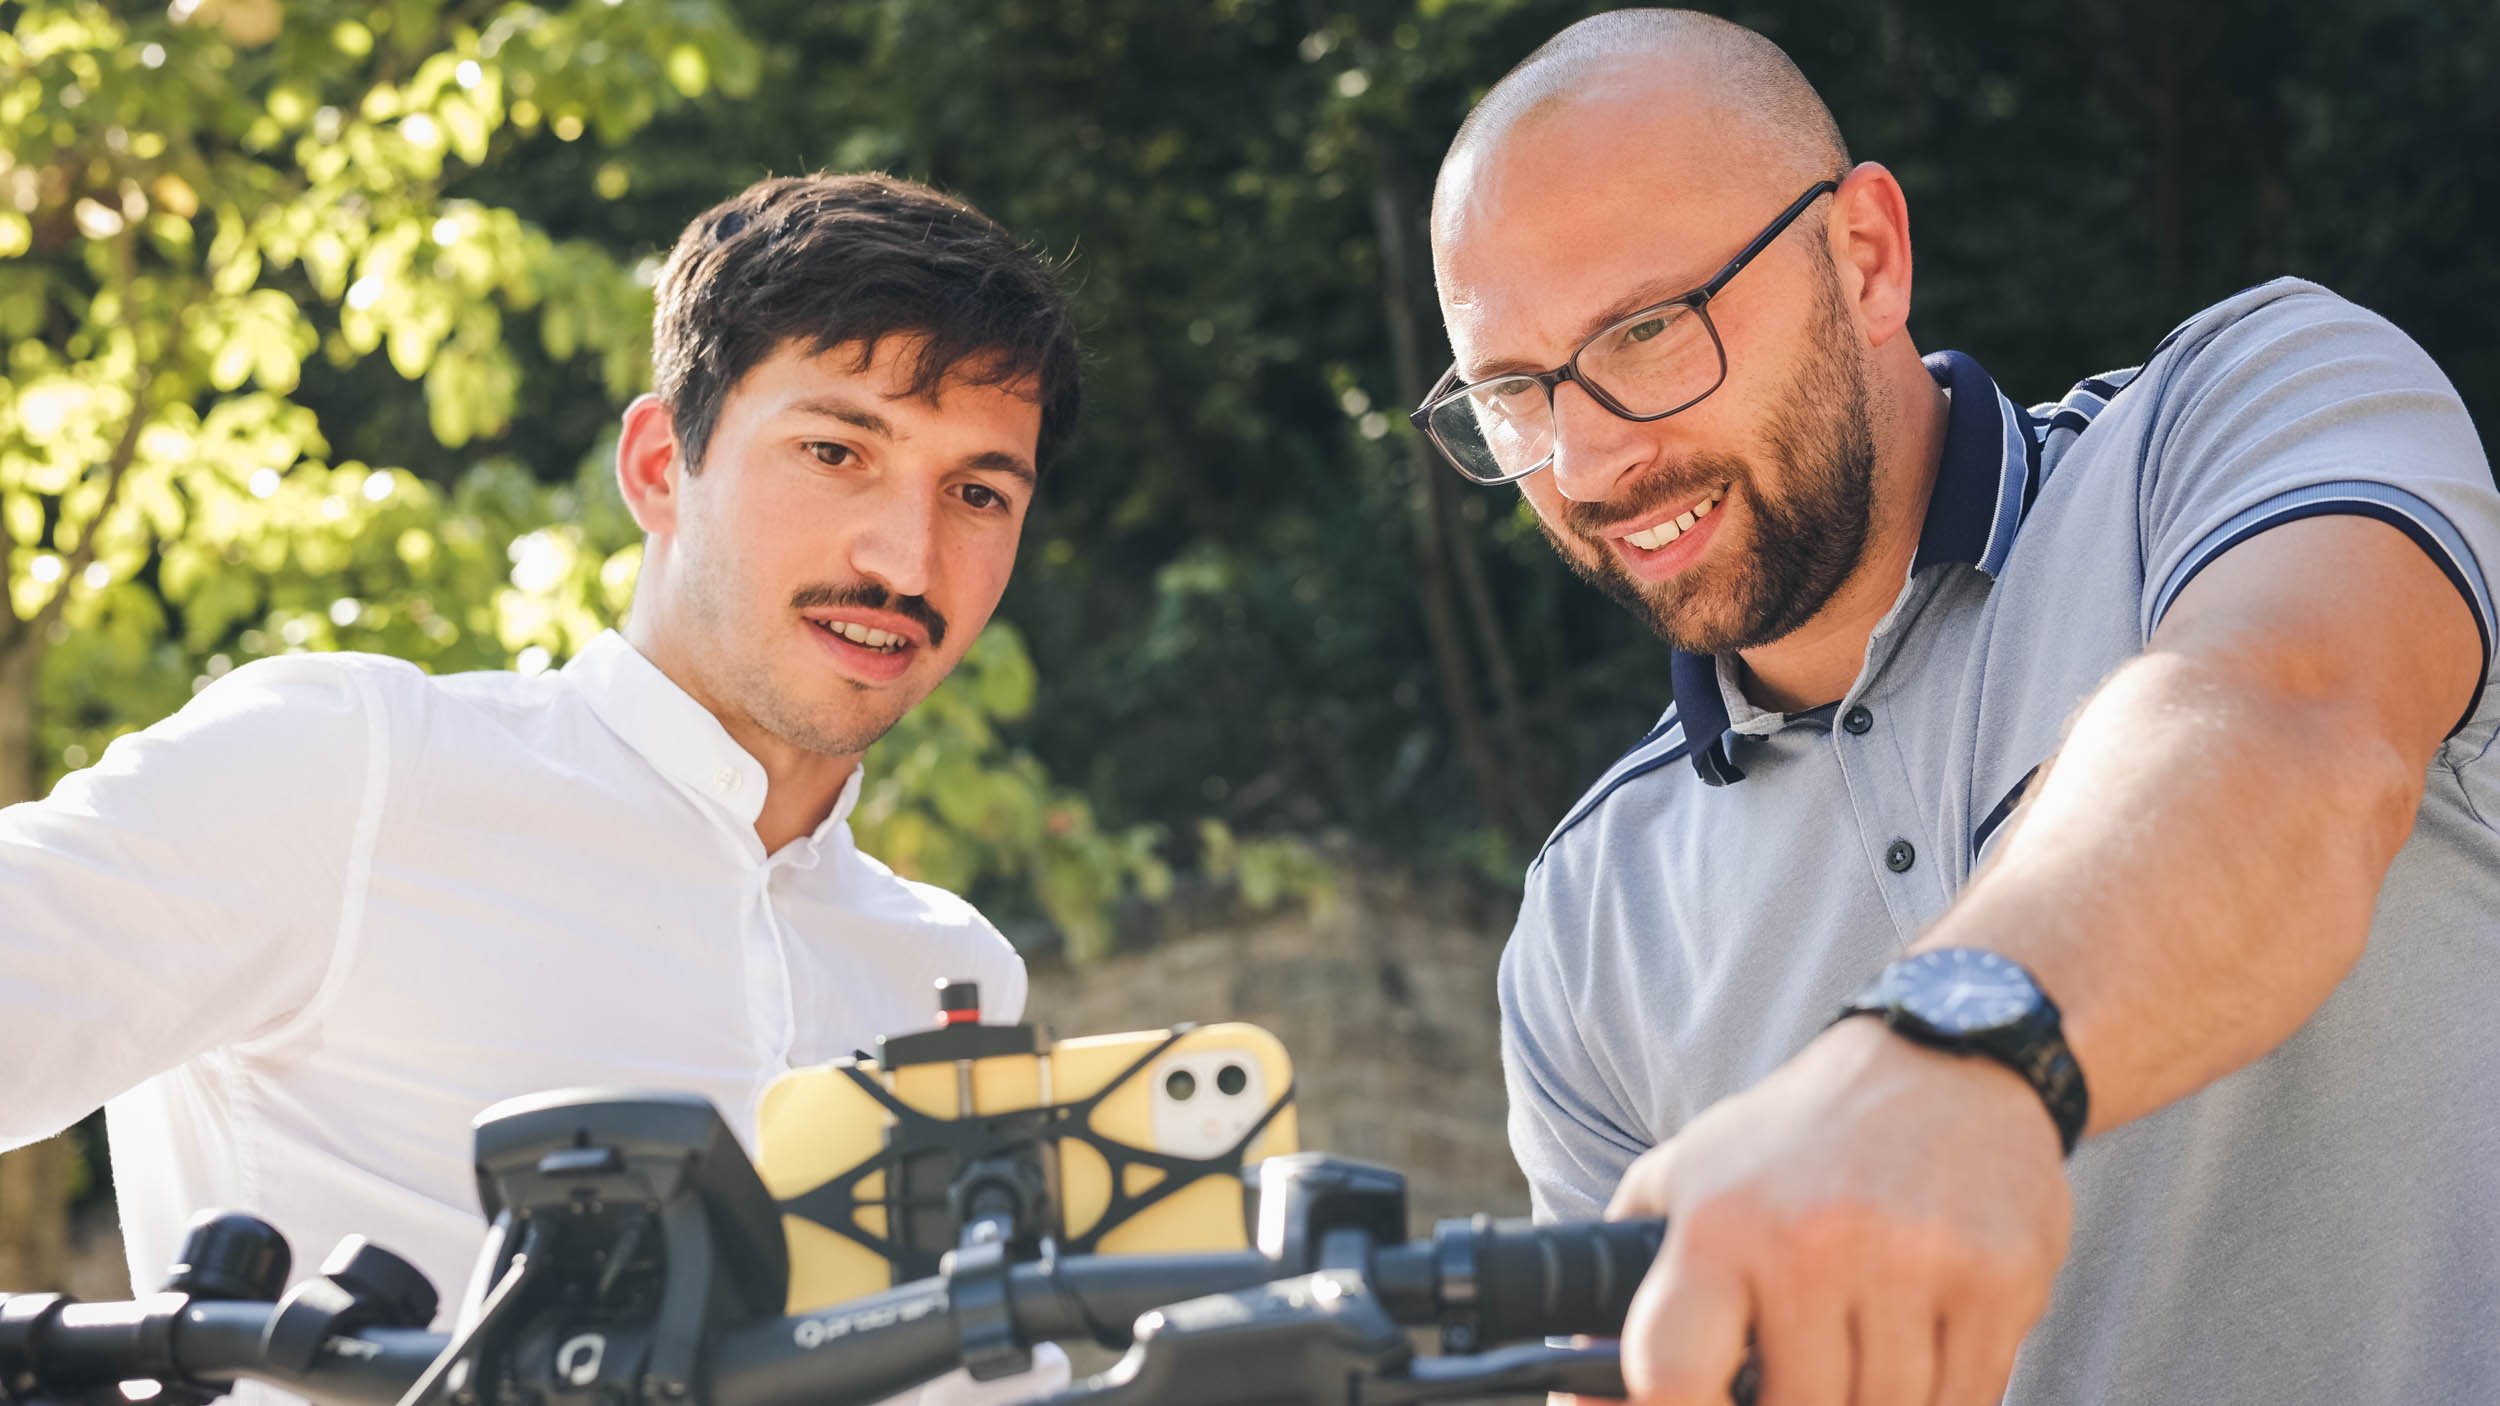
[204, 208]
[168, 503]
[946, 801]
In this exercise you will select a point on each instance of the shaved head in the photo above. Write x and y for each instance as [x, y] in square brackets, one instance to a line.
[1712, 442]
[1756, 106]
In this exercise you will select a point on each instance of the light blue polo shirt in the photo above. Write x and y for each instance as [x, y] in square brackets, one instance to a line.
[2321, 1226]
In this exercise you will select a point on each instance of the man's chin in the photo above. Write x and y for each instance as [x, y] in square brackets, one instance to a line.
[1671, 611]
[835, 733]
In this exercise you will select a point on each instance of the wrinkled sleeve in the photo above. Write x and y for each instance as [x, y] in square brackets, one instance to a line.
[183, 893]
[2300, 405]
[1571, 1136]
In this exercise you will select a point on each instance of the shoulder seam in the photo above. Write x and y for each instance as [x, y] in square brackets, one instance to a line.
[1661, 746]
[347, 938]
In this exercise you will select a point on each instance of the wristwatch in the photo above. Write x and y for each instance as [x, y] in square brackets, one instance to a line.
[1968, 1000]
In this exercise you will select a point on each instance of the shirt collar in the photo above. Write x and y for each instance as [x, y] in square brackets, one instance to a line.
[678, 736]
[1984, 479]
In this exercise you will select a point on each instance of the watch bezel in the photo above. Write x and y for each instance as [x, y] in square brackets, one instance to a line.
[1912, 989]
[2032, 1042]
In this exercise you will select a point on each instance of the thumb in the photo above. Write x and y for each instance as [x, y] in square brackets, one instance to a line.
[1647, 1185]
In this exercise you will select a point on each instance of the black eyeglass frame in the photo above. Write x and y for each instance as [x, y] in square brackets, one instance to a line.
[1446, 390]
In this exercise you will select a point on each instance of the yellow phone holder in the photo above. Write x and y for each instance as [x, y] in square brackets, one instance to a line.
[880, 1166]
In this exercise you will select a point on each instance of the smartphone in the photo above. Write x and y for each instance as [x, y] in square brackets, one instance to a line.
[1159, 1106]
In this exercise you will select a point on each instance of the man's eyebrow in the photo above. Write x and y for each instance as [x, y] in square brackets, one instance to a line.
[1645, 295]
[998, 461]
[845, 411]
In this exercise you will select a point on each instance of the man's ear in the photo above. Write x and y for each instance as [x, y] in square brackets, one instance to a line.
[1870, 242]
[648, 465]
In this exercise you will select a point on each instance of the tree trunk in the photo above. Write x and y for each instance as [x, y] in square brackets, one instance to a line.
[1446, 568]
[34, 1181]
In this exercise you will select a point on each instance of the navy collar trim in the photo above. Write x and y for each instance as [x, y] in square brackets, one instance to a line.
[1991, 451]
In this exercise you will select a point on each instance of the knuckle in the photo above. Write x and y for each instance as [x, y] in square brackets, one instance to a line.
[1719, 1227]
[1833, 1233]
[2014, 1284]
[1920, 1254]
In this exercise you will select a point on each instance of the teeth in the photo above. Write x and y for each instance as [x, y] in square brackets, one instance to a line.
[1666, 532]
[862, 634]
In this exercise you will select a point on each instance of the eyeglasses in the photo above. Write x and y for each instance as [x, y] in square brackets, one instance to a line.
[1661, 360]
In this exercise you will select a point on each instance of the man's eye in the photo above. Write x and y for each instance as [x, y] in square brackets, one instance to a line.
[1644, 329]
[830, 454]
[1511, 391]
[983, 496]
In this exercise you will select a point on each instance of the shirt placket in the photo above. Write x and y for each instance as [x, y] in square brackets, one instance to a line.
[771, 1006]
[1883, 800]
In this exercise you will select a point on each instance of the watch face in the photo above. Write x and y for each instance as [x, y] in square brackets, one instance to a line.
[1959, 990]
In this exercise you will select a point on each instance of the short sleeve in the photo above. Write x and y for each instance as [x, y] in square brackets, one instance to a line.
[1567, 1130]
[2288, 402]
[183, 893]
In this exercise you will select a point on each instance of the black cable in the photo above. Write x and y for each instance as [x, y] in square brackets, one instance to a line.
[497, 1302]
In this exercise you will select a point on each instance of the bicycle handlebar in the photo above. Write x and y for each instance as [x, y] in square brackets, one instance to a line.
[1484, 1281]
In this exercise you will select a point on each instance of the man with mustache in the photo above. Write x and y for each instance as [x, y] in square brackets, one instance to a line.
[2073, 821]
[301, 932]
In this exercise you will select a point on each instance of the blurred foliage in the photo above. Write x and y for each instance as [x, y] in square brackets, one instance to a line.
[1231, 583]
[1247, 597]
[233, 239]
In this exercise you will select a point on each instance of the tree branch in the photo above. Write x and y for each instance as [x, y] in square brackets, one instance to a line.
[125, 449]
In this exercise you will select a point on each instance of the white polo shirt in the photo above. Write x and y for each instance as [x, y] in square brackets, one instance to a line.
[302, 931]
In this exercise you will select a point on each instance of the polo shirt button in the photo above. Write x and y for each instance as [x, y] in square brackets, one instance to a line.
[726, 778]
[1899, 856]
[1857, 721]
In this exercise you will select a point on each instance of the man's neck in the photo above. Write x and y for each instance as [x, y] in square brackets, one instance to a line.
[801, 787]
[798, 799]
[1815, 664]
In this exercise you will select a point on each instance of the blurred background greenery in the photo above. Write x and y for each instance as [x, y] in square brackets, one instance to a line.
[318, 315]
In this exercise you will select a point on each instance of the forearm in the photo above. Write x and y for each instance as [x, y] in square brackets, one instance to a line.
[2195, 871]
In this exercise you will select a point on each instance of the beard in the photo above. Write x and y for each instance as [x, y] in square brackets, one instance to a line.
[742, 672]
[1809, 534]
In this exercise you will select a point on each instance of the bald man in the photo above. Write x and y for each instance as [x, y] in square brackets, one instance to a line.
[2048, 950]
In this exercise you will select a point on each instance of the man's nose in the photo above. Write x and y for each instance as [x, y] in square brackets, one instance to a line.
[1593, 447]
[897, 544]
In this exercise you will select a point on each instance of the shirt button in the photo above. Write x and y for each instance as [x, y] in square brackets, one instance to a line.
[726, 778]
[1857, 721]
[1899, 856]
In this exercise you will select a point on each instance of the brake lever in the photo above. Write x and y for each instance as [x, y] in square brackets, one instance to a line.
[1530, 1370]
[1526, 1370]
[1309, 1338]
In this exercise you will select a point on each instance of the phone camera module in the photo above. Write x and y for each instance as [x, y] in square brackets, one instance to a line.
[1180, 1084]
[1232, 1079]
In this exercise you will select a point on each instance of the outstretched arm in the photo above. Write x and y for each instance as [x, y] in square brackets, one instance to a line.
[2190, 879]
[185, 892]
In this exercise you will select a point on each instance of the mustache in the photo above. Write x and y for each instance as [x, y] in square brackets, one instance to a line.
[1665, 488]
[868, 595]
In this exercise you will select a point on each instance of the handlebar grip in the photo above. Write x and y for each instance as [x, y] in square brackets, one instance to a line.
[1536, 1281]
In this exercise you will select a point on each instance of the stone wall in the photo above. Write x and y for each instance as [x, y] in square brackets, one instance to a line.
[1385, 1002]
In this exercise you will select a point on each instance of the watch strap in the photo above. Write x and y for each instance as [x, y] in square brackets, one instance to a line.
[2033, 1046]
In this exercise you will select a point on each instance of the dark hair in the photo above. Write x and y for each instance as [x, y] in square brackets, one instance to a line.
[832, 260]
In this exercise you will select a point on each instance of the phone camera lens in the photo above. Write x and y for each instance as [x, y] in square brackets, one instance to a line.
[1180, 1084]
[1232, 1079]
